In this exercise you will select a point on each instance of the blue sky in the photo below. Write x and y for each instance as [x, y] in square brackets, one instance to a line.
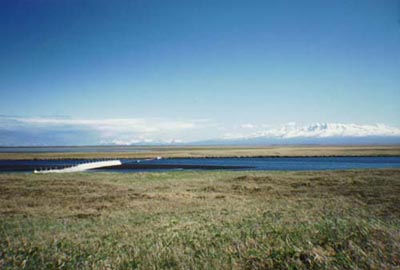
[218, 65]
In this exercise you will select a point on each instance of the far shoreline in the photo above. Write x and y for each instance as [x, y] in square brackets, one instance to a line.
[283, 151]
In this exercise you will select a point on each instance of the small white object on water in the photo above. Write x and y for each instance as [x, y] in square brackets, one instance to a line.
[83, 167]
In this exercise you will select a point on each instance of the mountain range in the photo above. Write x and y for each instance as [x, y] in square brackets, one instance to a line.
[319, 133]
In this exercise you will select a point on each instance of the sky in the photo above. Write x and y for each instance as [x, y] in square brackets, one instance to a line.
[143, 70]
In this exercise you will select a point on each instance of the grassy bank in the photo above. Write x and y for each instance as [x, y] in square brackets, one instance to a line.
[221, 151]
[201, 220]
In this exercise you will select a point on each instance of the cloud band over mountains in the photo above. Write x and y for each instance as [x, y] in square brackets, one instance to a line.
[20, 131]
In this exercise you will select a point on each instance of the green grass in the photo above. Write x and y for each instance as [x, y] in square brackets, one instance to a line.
[201, 220]
[220, 151]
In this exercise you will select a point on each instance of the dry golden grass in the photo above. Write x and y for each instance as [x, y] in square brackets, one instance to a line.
[200, 152]
[201, 220]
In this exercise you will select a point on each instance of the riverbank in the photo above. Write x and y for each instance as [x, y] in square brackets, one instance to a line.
[201, 220]
[208, 152]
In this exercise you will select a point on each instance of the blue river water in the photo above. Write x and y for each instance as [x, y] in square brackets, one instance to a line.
[285, 164]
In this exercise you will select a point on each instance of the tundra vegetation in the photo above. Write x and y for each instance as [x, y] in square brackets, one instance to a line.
[201, 220]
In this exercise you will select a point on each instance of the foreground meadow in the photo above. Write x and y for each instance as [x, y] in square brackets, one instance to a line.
[201, 220]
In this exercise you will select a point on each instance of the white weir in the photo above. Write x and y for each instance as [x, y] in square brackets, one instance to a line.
[82, 167]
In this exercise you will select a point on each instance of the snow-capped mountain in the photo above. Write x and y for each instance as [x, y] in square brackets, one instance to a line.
[324, 130]
[319, 133]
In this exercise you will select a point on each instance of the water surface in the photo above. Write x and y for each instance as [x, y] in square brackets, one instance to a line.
[284, 164]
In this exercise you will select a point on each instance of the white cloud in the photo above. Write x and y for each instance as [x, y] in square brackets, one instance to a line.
[248, 126]
[110, 131]
[136, 124]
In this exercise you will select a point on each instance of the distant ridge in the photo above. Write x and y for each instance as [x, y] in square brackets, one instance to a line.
[367, 140]
[19, 133]
[318, 134]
